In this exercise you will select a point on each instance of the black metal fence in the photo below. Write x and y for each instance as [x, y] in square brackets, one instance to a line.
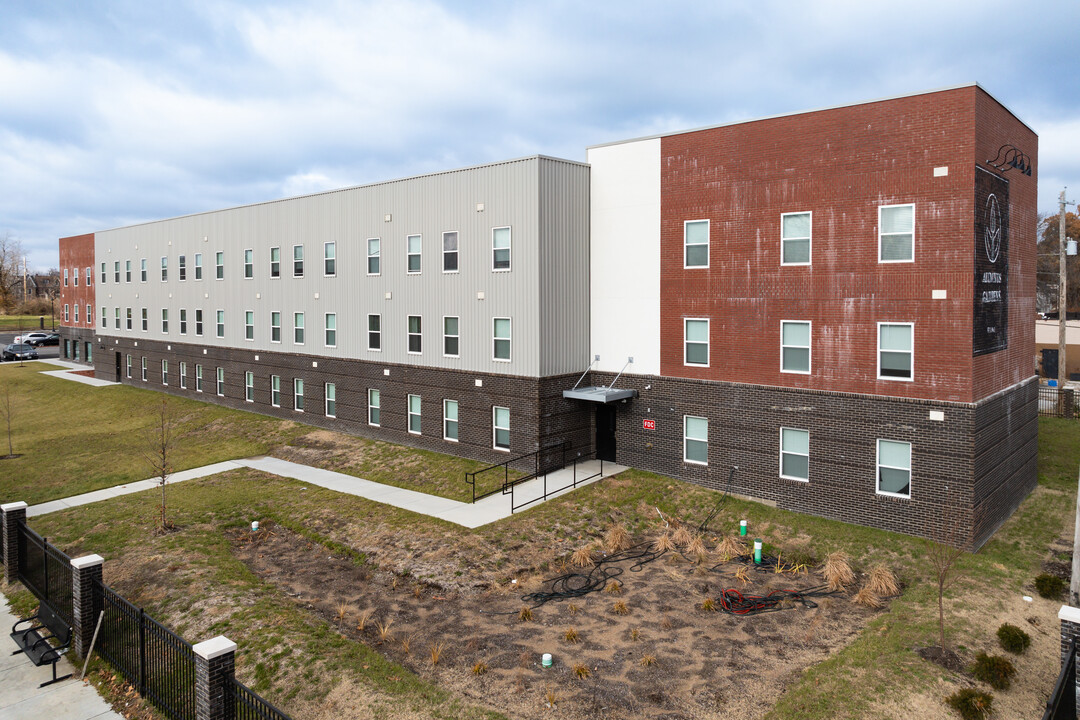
[1062, 703]
[250, 706]
[46, 572]
[1058, 402]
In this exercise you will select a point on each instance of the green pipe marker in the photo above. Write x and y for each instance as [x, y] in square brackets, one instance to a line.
[757, 551]
[742, 528]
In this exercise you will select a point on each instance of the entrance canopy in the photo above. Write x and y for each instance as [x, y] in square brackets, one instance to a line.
[599, 394]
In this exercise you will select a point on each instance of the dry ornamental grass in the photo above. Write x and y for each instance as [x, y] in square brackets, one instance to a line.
[731, 546]
[582, 557]
[663, 543]
[868, 598]
[682, 536]
[882, 582]
[617, 539]
[837, 571]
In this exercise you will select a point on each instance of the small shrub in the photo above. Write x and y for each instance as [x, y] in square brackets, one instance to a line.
[620, 608]
[837, 571]
[663, 543]
[581, 670]
[582, 557]
[574, 609]
[480, 668]
[971, 704]
[525, 614]
[571, 635]
[647, 660]
[436, 650]
[365, 617]
[1049, 586]
[617, 538]
[614, 588]
[1013, 638]
[868, 598]
[635, 634]
[882, 582]
[708, 605]
[993, 670]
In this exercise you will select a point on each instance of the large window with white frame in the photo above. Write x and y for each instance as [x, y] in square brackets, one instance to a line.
[795, 238]
[330, 397]
[416, 345]
[414, 415]
[89, 276]
[144, 371]
[220, 323]
[127, 271]
[298, 261]
[181, 268]
[795, 346]
[329, 259]
[500, 428]
[67, 313]
[450, 420]
[894, 468]
[183, 321]
[144, 270]
[164, 372]
[249, 264]
[183, 375]
[696, 342]
[275, 327]
[198, 266]
[896, 233]
[249, 324]
[374, 250]
[275, 391]
[330, 339]
[116, 319]
[500, 339]
[220, 381]
[451, 339]
[249, 386]
[298, 328]
[165, 320]
[219, 265]
[695, 440]
[500, 248]
[164, 269]
[198, 378]
[198, 323]
[794, 454]
[414, 245]
[116, 271]
[449, 252]
[129, 366]
[374, 334]
[896, 351]
[298, 394]
[275, 262]
[374, 407]
[145, 320]
[75, 314]
[696, 243]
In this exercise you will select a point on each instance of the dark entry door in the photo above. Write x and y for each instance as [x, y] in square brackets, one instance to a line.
[117, 367]
[605, 433]
[1049, 362]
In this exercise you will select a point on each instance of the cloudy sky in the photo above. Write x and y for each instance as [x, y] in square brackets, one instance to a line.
[115, 112]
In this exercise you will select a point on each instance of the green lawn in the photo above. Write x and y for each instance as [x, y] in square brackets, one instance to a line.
[9, 323]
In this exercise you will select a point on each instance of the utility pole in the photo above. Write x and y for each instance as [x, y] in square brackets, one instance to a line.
[1062, 307]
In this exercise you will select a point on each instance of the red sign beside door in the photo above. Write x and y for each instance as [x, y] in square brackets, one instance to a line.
[648, 424]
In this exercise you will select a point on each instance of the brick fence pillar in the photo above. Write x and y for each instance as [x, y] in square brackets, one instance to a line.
[215, 663]
[1068, 402]
[13, 514]
[84, 571]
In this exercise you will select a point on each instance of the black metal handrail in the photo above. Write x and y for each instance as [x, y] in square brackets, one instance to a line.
[507, 483]
[1062, 702]
[574, 480]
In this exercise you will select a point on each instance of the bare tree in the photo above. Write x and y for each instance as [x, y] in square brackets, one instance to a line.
[11, 254]
[943, 551]
[7, 412]
[158, 450]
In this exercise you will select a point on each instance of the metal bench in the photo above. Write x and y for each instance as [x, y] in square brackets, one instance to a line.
[44, 641]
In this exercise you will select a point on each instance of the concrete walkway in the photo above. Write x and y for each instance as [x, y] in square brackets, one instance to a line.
[68, 372]
[487, 510]
[22, 699]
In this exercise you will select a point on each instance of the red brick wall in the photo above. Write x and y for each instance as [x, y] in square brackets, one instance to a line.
[77, 254]
[841, 164]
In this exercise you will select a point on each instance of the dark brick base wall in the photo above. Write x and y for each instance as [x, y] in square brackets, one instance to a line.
[951, 486]
[81, 336]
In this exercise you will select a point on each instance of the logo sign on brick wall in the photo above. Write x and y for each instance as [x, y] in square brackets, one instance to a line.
[989, 331]
[648, 424]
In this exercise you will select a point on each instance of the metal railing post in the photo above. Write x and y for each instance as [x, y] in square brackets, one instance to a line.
[142, 652]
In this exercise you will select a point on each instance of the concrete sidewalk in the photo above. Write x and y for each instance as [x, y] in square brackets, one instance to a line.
[22, 699]
[69, 370]
[470, 515]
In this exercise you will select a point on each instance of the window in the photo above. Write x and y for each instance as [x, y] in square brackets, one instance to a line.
[129, 366]
[164, 372]
[275, 327]
[142, 270]
[298, 261]
[127, 271]
[894, 468]
[219, 265]
[67, 348]
[249, 324]
[116, 319]
[695, 440]
[450, 336]
[896, 236]
[373, 407]
[331, 400]
[89, 352]
[450, 423]
[104, 317]
[298, 328]
[198, 266]
[181, 268]
[221, 323]
[329, 251]
[795, 231]
[374, 247]
[129, 318]
[164, 320]
[144, 369]
[331, 330]
[414, 248]
[449, 252]
[75, 350]
[65, 277]
[89, 276]
[89, 315]
[75, 315]
[414, 414]
[198, 323]
[74, 276]
[415, 338]
[198, 378]
[794, 454]
[102, 272]
[795, 347]
[275, 262]
[275, 390]
[500, 339]
[164, 269]
[696, 243]
[696, 334]
[249, 386]
[298, 394]
[183, 375]
[221, 381]
[500, 428]
[374, 334]
[116, 271]
[895, 351]
[183, 321]
[500, 248]
[145, 320]
[67, 313]
[249, 264]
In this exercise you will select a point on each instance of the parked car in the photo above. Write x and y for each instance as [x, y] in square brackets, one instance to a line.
[50, 339]
[32, 339]
[20, 352]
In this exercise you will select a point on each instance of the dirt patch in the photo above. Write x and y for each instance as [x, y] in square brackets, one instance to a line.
[665, 658]
[942, 656]
[84, 373]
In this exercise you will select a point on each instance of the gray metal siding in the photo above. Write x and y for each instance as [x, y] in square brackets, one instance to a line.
[511, 194]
